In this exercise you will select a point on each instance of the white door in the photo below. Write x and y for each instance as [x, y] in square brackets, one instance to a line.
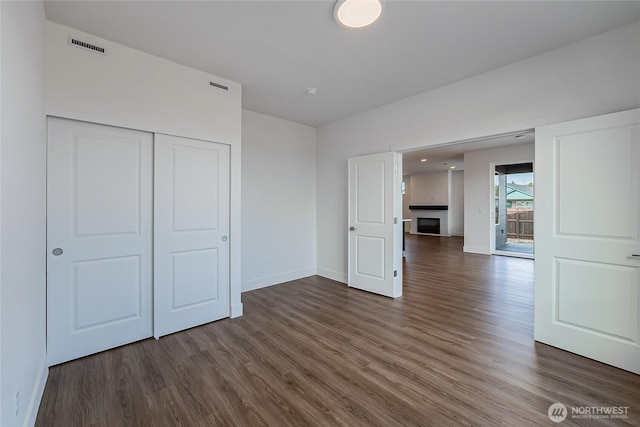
[375, 223]
[98, 238]
[191, 233]
[587, 244]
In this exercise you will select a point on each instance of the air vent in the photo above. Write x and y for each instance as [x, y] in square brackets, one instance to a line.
[219, 86]
[87, 46]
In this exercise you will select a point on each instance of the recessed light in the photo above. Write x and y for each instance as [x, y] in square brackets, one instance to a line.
[423, 160]
[357, 13]
[311, 90]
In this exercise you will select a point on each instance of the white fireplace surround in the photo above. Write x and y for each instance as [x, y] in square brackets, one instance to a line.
[442, 215]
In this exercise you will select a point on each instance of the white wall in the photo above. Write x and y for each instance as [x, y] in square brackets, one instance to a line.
[406, 200]
[456, 204]
[132, 89]
[479, 166]
[22, 217]
[595, 76]
[430, 188]
[278, 200]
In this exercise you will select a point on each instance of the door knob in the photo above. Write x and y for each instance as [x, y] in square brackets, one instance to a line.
[352, 228]
[224, 238]
[57, 252]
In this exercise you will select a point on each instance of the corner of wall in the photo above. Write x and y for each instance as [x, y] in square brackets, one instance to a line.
[38, 391]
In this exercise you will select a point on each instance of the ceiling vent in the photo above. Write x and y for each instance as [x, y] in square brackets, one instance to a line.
[87, 46]
[219, 86]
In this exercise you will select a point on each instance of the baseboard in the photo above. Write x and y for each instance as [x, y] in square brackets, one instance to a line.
[333, 275]
[476, 250]
[36, 396]
[431, 234]
[263, 282]
[457, 234]
[236, 310]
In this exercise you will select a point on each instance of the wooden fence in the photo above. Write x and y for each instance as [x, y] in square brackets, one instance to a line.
[520, 223]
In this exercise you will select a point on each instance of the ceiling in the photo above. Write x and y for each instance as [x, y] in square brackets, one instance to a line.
[444, 157]
[277, 49]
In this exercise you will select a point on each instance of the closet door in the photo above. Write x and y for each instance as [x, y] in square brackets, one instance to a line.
[99, 229]
[191, 233]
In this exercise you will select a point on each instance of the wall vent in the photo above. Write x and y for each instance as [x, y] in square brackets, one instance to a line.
[219, 86]
[88, 46]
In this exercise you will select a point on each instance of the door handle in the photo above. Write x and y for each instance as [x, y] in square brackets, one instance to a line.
[57, 252]
[635, 255]
[352, 228]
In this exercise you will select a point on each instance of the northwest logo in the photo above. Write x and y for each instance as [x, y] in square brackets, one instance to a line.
[557, 412]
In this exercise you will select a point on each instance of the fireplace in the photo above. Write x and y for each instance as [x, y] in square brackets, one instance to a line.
[429, 225]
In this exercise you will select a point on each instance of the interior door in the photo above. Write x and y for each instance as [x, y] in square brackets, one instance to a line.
[375, 226]
[191, 233]
[587, 244]
[98, 238]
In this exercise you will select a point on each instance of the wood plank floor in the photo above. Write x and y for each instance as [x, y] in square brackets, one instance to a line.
[456, 349]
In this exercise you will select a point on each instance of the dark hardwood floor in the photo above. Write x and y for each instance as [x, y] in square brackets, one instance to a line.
[456, 349]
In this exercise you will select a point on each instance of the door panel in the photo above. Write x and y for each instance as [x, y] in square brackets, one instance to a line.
[587, 197]
[106, 291]
[615, 148]
[191, 233]
[375, 236]
[99, 216]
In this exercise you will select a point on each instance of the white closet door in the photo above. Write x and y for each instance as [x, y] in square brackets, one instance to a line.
[98, 238]
[191, 233]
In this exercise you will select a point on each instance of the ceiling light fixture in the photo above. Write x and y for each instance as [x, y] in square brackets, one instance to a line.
[452, 167]
[311, 91]
[423, 160]
[357, 13]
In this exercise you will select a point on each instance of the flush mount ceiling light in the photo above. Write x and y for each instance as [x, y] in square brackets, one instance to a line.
[357, 13]
[423, 160]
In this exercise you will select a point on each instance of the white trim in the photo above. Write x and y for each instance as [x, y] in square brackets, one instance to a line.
[472, 136]
[263, 282]
[514, 254]
[476, 250]
[333, 275]
[236, 310]
[36, 396]
[492, 219]
[235, 220]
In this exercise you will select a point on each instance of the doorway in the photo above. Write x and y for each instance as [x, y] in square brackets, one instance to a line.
[514, 209]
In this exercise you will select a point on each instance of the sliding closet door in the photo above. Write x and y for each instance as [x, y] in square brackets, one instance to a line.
[98, 238]
[191, 233]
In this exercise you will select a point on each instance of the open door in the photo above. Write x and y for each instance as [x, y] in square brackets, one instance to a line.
[587, 244]
[375, 225]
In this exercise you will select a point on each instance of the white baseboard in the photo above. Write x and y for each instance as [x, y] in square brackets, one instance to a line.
[476, 250]
[36, 396]
[236, 310]
[333, 275]
[458, 234]
[431, 234]
[263, 282]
